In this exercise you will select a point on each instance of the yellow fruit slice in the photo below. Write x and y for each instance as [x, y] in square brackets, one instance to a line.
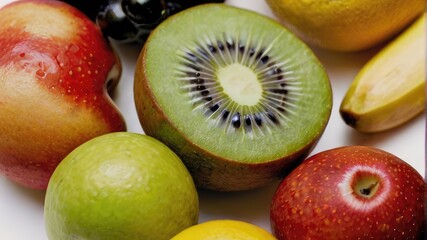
[224, 230]
[390, 89]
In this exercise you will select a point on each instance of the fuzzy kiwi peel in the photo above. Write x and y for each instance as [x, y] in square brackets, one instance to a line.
[238, 97]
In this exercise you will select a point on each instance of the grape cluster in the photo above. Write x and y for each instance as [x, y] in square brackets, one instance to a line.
[132, 20]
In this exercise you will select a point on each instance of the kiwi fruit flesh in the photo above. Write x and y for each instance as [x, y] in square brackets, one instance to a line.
[239, 98]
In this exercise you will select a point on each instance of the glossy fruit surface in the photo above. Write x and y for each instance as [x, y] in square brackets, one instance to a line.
[120, 186]
[131, 20]
[239, 105]
[54, 70]
[347, 25]
[390, 89]
[353, 192]
[89, 8]
[224, 230]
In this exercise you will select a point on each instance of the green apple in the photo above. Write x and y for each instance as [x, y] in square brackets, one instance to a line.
[120, 186]
[55, 70]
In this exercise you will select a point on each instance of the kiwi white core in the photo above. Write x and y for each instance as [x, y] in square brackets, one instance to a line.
[240, 83]
[182, 78]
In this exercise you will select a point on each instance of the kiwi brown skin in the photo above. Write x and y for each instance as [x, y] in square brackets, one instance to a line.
[228, 169]
[208, 170]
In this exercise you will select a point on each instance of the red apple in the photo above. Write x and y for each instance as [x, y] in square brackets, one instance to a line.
[352, 192]
[54, 68]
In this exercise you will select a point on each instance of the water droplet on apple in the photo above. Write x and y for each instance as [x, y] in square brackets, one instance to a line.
[40, 73]
[73, 48]
[61, 59]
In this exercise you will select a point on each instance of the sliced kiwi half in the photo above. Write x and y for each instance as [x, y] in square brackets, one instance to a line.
[238, 97]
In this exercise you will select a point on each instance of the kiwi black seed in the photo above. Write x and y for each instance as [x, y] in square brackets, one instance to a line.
[198, 77]
[238, 97]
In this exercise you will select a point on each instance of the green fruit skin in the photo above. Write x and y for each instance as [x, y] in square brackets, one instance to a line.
[120, 186]
[208, 170]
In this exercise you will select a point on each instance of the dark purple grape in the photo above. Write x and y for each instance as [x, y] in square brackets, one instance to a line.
[90, 8]
[191, 3]
[174, 6]
[132, 20]
[147, 14]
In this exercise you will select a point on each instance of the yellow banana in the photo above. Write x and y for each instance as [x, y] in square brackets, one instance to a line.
[390, 89]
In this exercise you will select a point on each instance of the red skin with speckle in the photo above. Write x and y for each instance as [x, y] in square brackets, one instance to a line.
[309, 204]
[54, 68]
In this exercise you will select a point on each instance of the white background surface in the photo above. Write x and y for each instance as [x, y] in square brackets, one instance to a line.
[21, 209]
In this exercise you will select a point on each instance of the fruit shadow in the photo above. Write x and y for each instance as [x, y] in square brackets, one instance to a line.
[251, 205]
[342, 63]
[376, 139]
[128, 55]
[34, 195]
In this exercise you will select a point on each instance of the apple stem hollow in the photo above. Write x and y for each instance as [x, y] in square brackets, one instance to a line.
[367, 191]
[366, 186]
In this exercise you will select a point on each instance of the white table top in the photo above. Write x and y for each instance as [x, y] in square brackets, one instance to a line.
[21, 209]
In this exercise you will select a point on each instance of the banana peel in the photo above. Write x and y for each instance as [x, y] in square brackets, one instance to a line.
[390, 89]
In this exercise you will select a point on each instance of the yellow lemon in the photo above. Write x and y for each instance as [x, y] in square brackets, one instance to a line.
[224, 230]
[349, 25]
